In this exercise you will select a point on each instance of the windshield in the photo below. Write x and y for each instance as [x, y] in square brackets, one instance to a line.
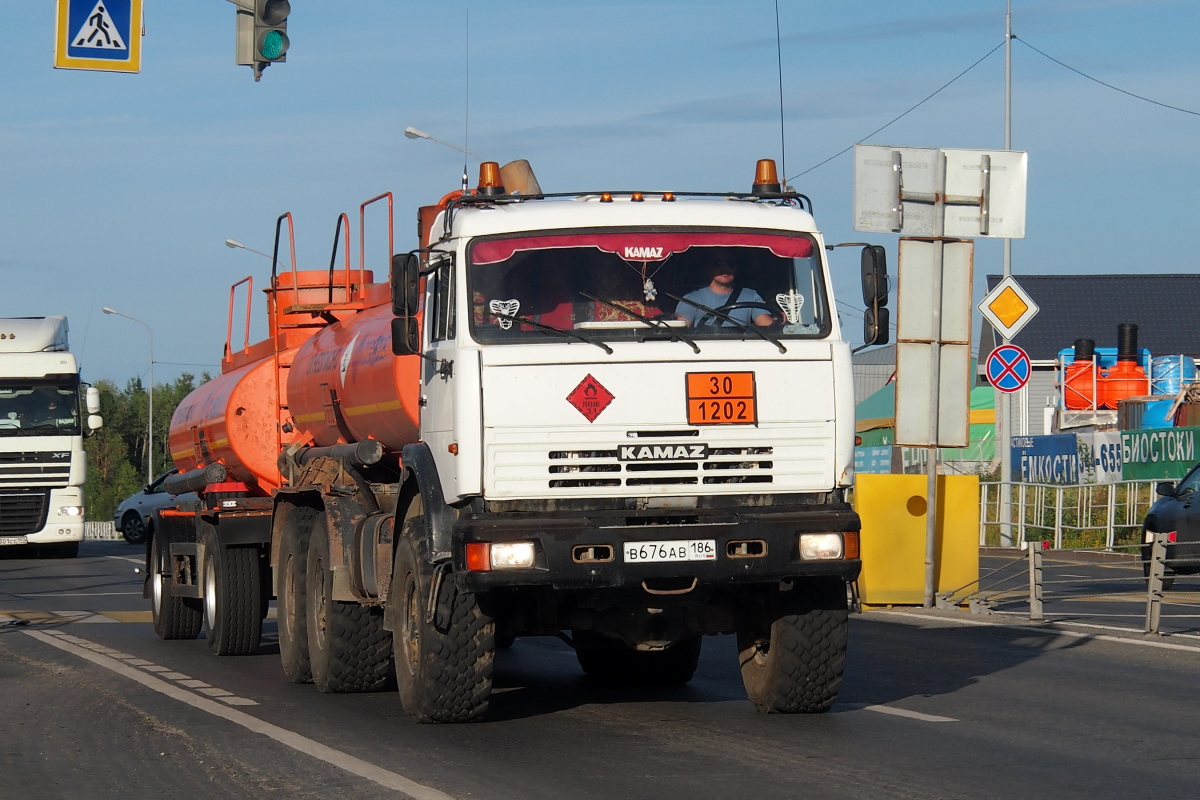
[39, 408]
[648, 285]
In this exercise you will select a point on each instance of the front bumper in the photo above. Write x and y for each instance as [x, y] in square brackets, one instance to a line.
[56, 527]
[557, 536]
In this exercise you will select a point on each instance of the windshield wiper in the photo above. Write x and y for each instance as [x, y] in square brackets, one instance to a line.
[654, 323]
[559, 331]
[751, 328]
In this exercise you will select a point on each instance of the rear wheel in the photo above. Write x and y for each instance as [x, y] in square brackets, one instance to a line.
[793, 649]
[443, 667]
[612, 661]
[349, 650]
[293, 598]
[174, 617]
[133, 528]
[232, 598]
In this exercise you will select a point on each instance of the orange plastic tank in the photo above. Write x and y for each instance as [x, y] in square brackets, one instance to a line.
[1125, 379]
[232, 419]
[1080, 380]
[346, 386]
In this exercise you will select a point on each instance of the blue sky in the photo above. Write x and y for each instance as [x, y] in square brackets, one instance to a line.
[120, 190]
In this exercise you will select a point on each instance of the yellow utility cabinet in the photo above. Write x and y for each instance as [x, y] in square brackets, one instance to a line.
[893, 510]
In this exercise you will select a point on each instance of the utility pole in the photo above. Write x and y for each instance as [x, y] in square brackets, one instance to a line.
[1004, 399]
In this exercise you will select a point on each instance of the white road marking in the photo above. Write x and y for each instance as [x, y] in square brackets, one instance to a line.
[904, 712]
[72, 594]
[1048, 631]
[337, 758]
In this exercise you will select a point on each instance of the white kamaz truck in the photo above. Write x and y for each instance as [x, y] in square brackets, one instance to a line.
[42, 463]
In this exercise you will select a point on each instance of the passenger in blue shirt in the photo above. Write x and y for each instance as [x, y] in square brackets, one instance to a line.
[722, 274]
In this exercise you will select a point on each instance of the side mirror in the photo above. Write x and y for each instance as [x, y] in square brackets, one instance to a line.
[92, 399]
[94, 421]
[406, 336]
[1166, 489]
[877, 326]
[874, 276]
[406, 284]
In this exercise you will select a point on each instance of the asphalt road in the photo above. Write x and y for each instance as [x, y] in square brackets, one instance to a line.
[935, 705]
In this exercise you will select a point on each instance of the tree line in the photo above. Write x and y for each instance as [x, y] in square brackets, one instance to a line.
[117, 454]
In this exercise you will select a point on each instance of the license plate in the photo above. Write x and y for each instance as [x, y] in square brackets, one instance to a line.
[721, 398]
[13, 540]
[678, 550]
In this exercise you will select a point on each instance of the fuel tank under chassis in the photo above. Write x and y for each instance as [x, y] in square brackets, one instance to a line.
[232, 419]
[346, 386]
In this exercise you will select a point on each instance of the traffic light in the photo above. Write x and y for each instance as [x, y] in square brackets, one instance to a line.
[262, 37]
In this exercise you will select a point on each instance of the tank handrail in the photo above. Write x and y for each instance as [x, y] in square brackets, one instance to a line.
[275, 256]
[362, 236]
[337, 231]
[229, 327]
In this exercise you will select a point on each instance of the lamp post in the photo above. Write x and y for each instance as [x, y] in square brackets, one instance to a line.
[150, 393]
[414, 133]
[238, 245]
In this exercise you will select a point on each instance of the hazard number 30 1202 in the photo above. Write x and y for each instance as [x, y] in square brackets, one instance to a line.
[721, 398]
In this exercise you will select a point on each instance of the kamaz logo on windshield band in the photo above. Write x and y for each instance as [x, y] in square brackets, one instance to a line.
[643, 252]
[662, 452]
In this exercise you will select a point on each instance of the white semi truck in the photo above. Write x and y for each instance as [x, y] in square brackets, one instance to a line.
[42, 462]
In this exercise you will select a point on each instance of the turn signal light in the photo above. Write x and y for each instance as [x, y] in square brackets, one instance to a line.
[766, 178]
[850, 543]
[479, 556]
[489, 179]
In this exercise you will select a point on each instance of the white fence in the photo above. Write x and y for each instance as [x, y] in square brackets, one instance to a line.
[1090, 515]
[100, 530]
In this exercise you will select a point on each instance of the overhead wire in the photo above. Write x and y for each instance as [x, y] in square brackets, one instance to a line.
[901, 116]
[1083, 74]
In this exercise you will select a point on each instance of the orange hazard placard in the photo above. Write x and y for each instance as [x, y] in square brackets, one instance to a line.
[721, 398]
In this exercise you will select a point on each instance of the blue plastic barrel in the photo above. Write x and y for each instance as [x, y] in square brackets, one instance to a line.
[1169, 371]
[1155, 415]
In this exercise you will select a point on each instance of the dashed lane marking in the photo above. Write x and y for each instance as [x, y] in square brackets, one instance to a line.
[355, 766]
[904, 712]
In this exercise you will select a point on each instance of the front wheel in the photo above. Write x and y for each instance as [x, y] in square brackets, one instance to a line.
[133, 528]
[443, 667]
[792, 651]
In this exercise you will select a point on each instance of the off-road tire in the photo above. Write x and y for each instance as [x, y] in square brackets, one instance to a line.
[349, 650]
[292, 605]
[442, 675]
[133, 528]
[174, 617]
[614, 662]
[232, 597]
[792, 651]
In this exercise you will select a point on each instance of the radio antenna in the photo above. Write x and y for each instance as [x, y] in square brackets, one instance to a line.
[467, 95]
[779, 62]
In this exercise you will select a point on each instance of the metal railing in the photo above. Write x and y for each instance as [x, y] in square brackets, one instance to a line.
[1102, 515]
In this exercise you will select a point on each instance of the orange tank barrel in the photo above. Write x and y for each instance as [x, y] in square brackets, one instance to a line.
[346, 386]
[1126, 379]
[232, 420]
[1081, 380]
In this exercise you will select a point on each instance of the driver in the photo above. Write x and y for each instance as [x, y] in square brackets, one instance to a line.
[722, 274]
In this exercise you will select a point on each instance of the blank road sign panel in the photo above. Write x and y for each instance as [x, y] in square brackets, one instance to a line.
[954, 395]
[1006, 193]
[914, 375]
[876, 185]
[914, 298]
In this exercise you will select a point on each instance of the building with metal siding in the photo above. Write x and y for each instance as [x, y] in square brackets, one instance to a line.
[872, 370]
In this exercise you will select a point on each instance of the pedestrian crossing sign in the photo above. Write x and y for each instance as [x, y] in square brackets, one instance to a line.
[103, 35]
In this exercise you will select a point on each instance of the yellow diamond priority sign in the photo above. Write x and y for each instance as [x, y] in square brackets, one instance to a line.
[1008, 308]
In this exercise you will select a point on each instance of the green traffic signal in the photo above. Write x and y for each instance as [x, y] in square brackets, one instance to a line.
[273, 45]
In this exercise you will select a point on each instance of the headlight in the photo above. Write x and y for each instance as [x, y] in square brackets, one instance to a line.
[484, 556]
[820, 546]
[70, 511]
[513, 555]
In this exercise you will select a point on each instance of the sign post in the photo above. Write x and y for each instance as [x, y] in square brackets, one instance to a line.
[937, 199]
[99, 35]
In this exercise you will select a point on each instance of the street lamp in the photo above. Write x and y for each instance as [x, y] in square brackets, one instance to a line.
[236, 244]
[413, 133]
[150, 409]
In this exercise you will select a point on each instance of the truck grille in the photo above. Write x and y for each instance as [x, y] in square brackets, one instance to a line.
[22, 512]
[601, 468]
[34, 469]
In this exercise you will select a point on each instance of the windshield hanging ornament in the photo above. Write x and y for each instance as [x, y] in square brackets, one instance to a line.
[649, 289]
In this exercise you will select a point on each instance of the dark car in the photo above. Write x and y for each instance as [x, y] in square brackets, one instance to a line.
[134, 517]
[1177, 510]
